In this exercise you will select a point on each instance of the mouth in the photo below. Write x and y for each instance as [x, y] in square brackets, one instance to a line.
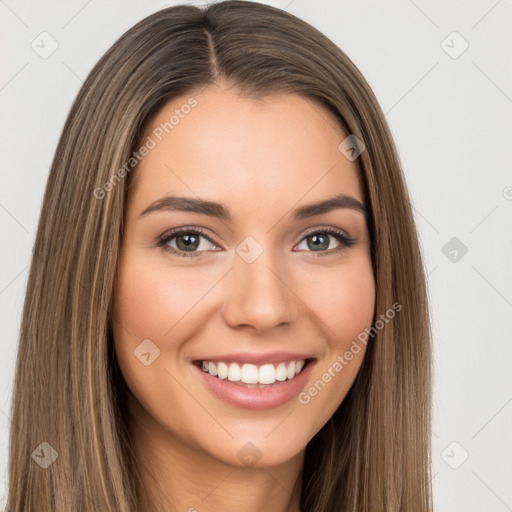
[255, 376]
[254, 386]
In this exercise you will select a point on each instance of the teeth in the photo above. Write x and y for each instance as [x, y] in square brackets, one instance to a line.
[252, 374]
[222, 370]
[212, 369]
[290, 370]
[234, 372]
[267, 374]
[281, 372]
[249, 374]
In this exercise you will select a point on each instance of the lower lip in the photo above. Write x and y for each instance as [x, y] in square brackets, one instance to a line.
[257, 398]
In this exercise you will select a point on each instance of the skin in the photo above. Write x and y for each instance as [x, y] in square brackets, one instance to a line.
[262, 159]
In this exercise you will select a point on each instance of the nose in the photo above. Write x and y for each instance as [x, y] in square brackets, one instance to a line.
[259, 295]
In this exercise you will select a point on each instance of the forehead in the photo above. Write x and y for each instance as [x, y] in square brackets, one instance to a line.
[219, 145]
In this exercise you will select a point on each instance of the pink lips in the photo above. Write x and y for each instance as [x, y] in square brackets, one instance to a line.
[256, 398]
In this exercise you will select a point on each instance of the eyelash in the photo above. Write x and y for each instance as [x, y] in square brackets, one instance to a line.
[345, 240]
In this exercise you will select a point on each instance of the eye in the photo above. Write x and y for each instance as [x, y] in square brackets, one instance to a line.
[188, 241]
[185, 242]
[319, 241]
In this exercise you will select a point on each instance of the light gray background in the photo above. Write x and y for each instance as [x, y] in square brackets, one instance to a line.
[451, 119]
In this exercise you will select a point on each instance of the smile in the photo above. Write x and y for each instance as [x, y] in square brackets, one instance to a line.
[254, 386]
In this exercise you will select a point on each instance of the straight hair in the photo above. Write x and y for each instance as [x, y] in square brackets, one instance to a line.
[374, 452]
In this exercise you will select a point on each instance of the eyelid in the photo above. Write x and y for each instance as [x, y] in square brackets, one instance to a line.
[324, 229]
[182, 229]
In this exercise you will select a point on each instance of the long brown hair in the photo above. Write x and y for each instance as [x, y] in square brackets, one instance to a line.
[374, 452]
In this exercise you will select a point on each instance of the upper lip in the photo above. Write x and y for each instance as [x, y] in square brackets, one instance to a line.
[256, 359]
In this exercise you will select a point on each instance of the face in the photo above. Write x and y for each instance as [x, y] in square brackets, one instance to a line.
[256, 279]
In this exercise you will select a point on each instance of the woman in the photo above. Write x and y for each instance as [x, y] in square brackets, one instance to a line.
[226, 305]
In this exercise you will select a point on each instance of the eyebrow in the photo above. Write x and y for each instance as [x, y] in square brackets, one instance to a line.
[221, 211]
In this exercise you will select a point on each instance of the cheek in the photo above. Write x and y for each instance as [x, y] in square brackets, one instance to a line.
[151, 301]
[141, 312]
[343, 301]
[344, 306]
